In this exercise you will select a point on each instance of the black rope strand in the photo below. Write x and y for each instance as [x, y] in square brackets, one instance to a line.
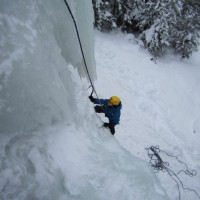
[79, 40]
[171, 173]
[187, 171]
[159, 165]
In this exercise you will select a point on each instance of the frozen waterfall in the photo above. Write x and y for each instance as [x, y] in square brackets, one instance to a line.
[38, 42]
[50, 145]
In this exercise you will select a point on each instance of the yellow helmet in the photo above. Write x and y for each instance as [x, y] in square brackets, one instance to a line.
[115, 100]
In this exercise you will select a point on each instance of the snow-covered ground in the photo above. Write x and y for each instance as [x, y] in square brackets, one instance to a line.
[161, 104]
[52, 145]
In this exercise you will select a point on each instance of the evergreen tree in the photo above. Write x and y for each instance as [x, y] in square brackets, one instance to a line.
[186, 36]
[156, 20]
[124, 15]
[104, 19]
[161, 24]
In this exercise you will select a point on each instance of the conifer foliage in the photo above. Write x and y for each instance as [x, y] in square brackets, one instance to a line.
[160, 24]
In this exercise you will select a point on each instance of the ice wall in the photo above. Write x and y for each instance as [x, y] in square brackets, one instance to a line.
[40, 88]
[38, 41]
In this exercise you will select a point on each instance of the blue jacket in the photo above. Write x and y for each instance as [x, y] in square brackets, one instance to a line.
[112, 112]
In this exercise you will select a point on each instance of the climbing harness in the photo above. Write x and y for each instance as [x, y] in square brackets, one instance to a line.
[159, 165]
[81, 48]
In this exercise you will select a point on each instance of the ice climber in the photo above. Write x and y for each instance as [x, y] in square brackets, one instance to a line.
[112, 109]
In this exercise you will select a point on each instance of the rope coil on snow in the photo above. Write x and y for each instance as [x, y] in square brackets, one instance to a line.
[159, 165]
